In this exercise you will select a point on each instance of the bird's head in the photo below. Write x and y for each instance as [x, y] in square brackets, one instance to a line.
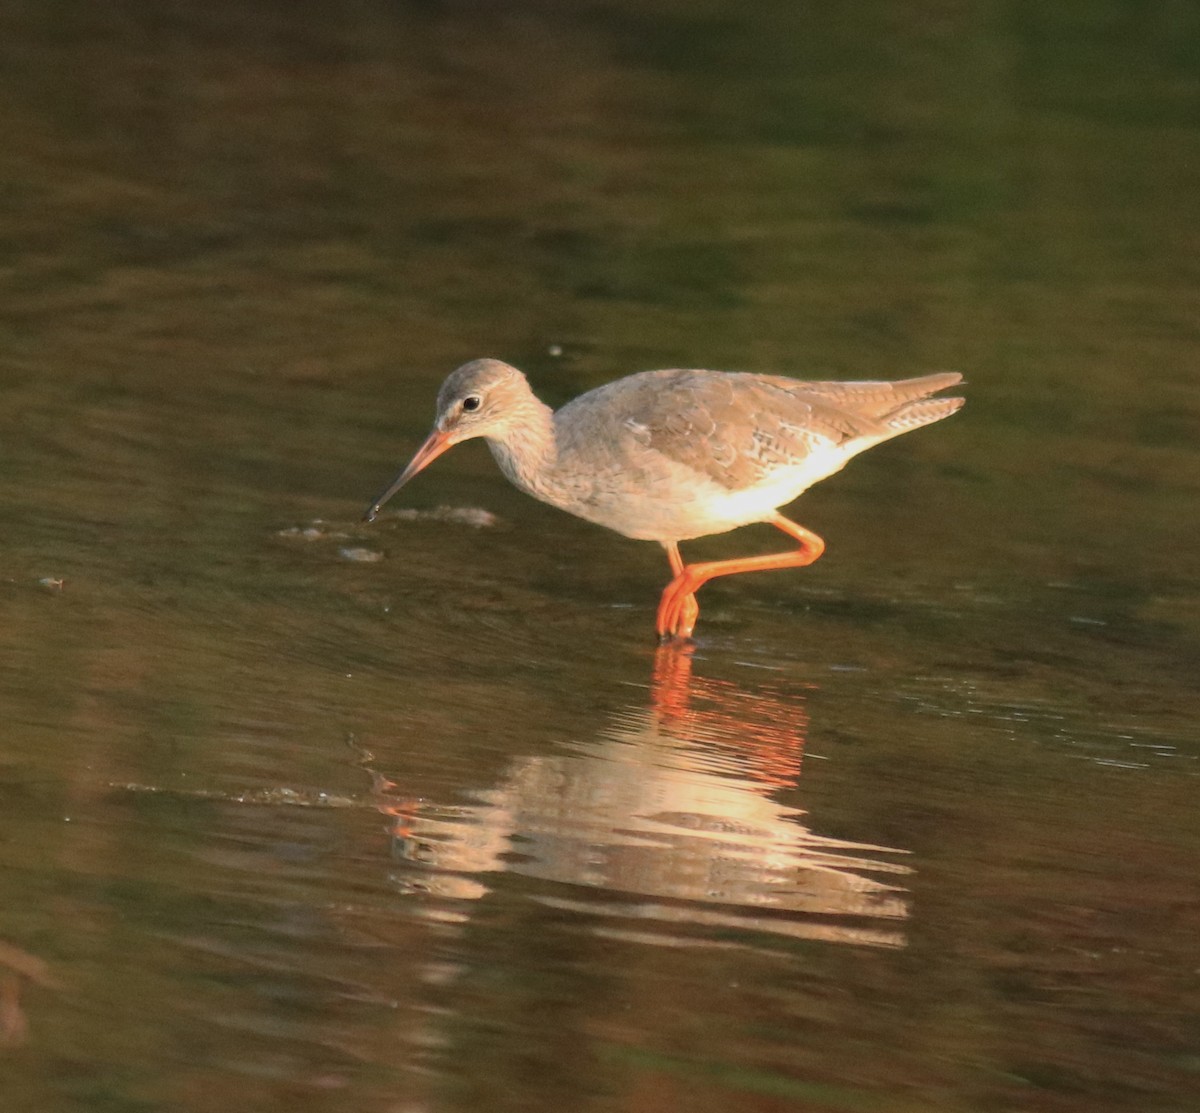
[483, 398]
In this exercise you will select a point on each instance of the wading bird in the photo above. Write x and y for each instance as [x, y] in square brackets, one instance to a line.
[670, 456]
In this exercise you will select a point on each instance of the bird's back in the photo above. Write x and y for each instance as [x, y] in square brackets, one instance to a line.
[669, 455]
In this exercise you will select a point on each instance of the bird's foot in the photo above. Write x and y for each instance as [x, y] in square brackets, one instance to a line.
[677, 611]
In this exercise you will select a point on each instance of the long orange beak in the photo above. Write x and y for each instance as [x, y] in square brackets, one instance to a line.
[435, 444]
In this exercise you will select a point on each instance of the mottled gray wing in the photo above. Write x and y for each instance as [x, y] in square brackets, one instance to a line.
[735, 428]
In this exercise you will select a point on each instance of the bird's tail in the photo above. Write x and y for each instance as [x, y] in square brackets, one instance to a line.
[923, 411]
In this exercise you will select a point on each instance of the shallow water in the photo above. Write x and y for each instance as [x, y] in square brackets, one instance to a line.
[303, 813]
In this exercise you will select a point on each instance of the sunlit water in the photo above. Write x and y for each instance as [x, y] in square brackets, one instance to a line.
[300, 813]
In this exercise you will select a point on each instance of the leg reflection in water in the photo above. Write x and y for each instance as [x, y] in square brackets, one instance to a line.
[17, 967]
[770, 730]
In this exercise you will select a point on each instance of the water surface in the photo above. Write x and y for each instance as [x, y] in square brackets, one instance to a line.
[301, 813]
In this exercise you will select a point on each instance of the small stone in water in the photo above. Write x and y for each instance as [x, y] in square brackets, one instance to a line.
[308, 533]
[473, 516]
[363, 556]
[315, 532]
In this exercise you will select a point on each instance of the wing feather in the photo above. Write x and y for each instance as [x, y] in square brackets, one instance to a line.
[736, 429]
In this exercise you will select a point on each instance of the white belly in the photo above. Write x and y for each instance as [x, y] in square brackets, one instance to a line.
[691, 506]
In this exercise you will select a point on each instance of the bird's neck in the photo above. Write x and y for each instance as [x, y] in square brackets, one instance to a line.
[527, 450]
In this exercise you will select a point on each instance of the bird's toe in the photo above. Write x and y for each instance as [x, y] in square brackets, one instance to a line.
[677, 613]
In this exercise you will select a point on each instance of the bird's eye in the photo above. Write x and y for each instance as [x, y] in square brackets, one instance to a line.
[471, 403]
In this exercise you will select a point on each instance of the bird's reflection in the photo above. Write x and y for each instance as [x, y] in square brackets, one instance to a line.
[665, 821]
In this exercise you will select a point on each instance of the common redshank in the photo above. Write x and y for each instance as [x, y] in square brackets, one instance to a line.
[670, 456]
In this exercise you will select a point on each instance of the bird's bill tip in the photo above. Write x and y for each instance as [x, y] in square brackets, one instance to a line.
[435, 444]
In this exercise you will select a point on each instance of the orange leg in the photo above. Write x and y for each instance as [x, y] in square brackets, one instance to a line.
[688, 610]
[678, 609]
